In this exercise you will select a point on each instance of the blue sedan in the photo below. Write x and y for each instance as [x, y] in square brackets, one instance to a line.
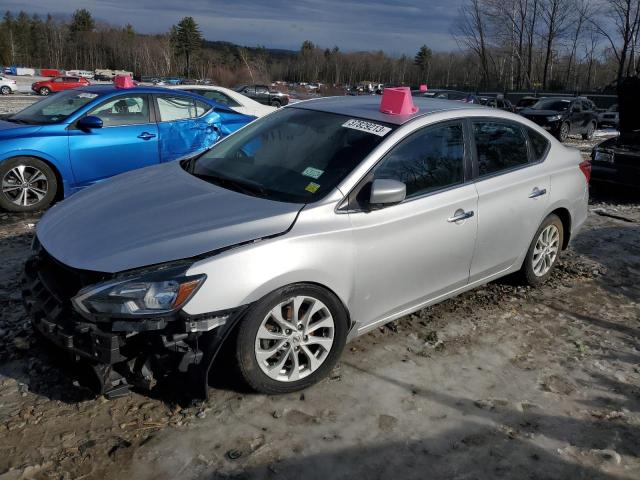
[76, 138]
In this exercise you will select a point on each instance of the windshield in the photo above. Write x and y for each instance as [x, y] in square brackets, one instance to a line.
[550, 104]
[293, 155]
[53, 109]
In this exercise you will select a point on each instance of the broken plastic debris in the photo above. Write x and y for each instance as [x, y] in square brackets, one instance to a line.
[397, 101]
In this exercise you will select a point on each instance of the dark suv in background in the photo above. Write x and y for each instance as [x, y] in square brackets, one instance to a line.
[262, 94]
[564, 116]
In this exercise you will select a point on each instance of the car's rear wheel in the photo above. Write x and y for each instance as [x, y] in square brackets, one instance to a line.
[44, 91]
[588, 135]
[563, 133]
[5, 90]
[543, 251]
[28, 184]
[291, 339]
[276, 103]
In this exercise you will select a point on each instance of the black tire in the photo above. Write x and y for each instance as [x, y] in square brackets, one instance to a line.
[563, 132]
[248, 329]
[9, 199]
[276, 103]
[44, 91]
[5, 90]
[588, 135]
[527, 272]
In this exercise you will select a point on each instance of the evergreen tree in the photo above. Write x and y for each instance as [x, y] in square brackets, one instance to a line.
[422, 60]
[186, 40]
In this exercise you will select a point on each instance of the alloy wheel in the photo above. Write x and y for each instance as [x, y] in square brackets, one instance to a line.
[5, 90]
[546, 250]
[25, 185]
[294, 339]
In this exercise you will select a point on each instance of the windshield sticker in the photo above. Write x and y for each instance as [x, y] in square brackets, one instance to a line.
[312, 172]
[368, 127]
[87, 95]
[312, 187]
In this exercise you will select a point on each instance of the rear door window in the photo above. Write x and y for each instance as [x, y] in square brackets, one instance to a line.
[428, 160]
[177, 107]
[500, 146]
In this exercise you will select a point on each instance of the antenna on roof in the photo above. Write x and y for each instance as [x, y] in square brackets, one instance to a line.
[397, 101]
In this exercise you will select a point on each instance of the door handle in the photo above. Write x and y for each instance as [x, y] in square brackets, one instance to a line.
[537, 192]
[460, 215]
[146, 136]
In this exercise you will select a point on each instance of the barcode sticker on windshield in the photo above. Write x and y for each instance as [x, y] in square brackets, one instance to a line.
[369, 127]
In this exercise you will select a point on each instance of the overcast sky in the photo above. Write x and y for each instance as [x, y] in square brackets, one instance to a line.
[396, 26]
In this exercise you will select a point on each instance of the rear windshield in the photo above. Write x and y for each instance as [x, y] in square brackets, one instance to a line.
[293, 155]
[557, 105]
[53, 109]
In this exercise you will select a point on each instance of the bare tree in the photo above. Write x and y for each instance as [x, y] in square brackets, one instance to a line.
[625, 15]
[472, 33]
[555, 14]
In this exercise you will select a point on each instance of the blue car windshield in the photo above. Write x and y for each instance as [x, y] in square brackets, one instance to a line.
[53, 109]
[293, 155]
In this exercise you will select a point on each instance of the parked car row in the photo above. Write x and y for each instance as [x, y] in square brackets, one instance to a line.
[262, 94]
[79, 137]
[281, 242]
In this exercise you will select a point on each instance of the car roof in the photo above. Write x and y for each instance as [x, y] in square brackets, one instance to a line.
[368, 107]
[108, 90]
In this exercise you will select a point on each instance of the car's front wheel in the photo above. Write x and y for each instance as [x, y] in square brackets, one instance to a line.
[291, 339]
[44, 91]
[588, 134]
[5, 90]
[28, 184]
[543, 251]
[563, 132]
[276, 103]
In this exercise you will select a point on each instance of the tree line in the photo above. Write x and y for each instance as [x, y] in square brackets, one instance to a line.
[504, 44]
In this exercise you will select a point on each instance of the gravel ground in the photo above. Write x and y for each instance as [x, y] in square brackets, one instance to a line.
[502, 382]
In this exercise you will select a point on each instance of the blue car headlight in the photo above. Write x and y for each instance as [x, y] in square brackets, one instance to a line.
[554, 118]
[145, 295]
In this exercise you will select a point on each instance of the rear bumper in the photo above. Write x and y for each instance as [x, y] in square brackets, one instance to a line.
[626, 176]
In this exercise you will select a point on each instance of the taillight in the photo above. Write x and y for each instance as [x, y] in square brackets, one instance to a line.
[586, 169]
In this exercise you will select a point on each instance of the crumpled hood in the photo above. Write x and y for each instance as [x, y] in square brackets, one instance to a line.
[154, 215]
[12, 130]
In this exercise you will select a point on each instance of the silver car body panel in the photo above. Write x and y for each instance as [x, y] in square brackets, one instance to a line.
[390, 262]
[381, 264]
[155, 215]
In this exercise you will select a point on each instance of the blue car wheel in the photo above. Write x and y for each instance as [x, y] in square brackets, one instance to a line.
[28, 184]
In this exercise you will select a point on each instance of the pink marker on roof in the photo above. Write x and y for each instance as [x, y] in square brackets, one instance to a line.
[397, 101]
[423, 88]
[123, 81]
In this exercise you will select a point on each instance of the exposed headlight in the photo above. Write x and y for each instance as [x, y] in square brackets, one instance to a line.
[554, 118]
[601, 156]
[152, 294]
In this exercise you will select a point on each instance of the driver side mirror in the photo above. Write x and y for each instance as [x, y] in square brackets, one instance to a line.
[89, 123]
[386, 192]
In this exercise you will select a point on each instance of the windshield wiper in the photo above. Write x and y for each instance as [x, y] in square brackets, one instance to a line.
[242, 186]
[16, 120]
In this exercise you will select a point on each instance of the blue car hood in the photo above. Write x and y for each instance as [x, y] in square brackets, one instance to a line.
[11, 129]
[154, 215]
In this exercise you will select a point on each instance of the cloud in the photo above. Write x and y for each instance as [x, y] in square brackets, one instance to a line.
[395, 26]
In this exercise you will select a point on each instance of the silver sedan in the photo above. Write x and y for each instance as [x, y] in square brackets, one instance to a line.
[300, 232]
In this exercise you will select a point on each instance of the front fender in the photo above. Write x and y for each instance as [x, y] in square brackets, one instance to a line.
[53, 150]
[245, 274]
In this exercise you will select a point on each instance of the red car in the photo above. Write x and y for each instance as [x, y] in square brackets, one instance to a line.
[58, 84]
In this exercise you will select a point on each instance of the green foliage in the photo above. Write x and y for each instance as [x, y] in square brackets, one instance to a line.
[186, 40]
[82, 21]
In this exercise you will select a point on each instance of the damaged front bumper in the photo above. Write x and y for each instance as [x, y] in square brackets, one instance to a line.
[121, 353]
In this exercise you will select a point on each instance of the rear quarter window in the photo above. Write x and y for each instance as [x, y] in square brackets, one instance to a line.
[539, 145]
